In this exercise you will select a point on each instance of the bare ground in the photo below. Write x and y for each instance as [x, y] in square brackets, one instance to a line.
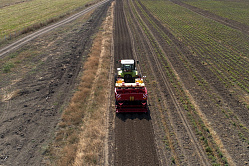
[36, 91]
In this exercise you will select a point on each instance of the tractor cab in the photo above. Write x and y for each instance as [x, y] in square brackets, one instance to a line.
[128, 65]
[128, 70]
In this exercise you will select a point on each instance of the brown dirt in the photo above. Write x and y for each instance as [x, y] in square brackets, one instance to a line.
[92, 143]
[185, 134]
[173, 134]
[45, 80]
[133, 133]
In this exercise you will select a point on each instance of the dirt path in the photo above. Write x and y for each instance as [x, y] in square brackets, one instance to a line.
[189, 123]
[180, 126]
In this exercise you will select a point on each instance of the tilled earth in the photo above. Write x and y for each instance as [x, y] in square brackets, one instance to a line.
[133, 133]
[34, 95]
[180, 137]
[173, 133]
[220, 123]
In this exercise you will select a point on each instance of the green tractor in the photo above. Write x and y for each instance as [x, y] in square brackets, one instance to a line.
[128, 71]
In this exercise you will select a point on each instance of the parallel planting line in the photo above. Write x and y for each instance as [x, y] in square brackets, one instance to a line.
[228, 22]
[199, 149]
[217, 151]
[130, 129]
[134, 32]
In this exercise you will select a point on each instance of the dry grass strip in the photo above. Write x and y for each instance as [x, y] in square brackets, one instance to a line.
[80, 139]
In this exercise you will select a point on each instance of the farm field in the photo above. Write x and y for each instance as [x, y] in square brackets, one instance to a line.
[235, 10]
[17, 17]
[196, 62]
[37, 82]
[197, 78]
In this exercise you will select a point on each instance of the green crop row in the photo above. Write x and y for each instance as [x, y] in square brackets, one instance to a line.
[211, 149]
[225, 49]
[224, 61]
[170, 144]
[235, 121]
[235, 10]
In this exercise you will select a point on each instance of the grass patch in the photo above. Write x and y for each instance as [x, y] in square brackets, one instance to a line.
[15, 61]
[216, 44]
[235, 10]
[21, 18]
[7, 67]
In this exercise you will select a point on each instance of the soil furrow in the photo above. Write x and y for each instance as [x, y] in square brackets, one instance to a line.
[209, 97]
[134, 136]
[183, 140]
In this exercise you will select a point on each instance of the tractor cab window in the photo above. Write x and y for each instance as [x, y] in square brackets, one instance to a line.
[128, 67]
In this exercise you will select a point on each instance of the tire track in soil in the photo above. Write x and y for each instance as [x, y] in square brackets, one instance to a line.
[134, 140]
[134, 136]
[221, 125]
[160, 123]
[184, 134]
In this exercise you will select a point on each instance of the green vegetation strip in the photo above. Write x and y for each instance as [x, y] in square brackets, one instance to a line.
[212, 150]
[218, 70]
[18, 16]
[235, 10]
[222, 49]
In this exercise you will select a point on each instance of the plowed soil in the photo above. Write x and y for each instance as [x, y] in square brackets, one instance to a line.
[34, 95]
[187, 123]
[134, 136]
[195, 134]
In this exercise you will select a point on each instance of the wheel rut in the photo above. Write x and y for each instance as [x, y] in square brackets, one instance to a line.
[187, 142]
[134, 136]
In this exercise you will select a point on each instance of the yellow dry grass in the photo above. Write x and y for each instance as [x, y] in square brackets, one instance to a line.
[93, 132]
[81, 134]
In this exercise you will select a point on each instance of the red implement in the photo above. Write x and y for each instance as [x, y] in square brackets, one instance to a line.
[131, 97]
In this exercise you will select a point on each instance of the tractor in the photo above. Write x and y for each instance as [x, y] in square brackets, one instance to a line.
[130, 91]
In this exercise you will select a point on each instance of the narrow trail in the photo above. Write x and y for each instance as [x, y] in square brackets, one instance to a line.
[131, 129]
[183, 133]
[29, 119]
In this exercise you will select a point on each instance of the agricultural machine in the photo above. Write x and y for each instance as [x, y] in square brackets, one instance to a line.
[130, 91]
